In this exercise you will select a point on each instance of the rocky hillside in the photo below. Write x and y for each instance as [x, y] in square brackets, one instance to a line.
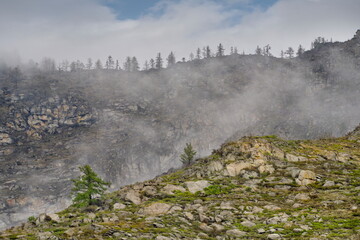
[132, 126]
[253, 188]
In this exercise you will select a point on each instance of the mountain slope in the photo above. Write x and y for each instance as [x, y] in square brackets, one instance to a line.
[253, 188]
[132, 126]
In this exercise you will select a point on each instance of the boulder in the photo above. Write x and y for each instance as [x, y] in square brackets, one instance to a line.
[155, 209]
[169, 189]
[215, 166]
[118, 206]
[266, 169]
[234, 169]
[294, 158]
[306, 177]
[197, 186]
[5, 139]
[235, 233]
[133, 196]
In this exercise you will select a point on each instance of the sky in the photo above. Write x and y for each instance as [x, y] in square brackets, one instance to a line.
[67, 29]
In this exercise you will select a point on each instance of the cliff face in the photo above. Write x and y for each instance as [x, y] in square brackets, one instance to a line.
[252, 188]
[133, 126]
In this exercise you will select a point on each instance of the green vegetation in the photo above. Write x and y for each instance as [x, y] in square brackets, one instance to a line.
[87, 187]
[188, 156]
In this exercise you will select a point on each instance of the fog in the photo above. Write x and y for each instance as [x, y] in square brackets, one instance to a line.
[144, 119]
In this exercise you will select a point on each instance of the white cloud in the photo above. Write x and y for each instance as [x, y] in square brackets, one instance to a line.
[84, 28]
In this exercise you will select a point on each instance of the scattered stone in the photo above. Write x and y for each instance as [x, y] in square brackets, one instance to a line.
[197, 186]
[235, 233]
[266, 169]
[205, 227]
[133, 196]
[118, 206]
[274, 236]
[302, 196]
[149, 191]
[329, 183]
[306, 177]
[217, 227]
[272, 207]
[156, 209]
[169, 189]
[215, 166]
[189, 216]
[293, 158]
[162, 238]
[248, 224]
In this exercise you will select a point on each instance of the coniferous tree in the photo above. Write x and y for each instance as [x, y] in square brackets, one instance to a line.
[127, 64]
[87, 187]
[266, 51]
[152, 63]
[109, 63]
[134, 65]
[220, 50]
[208, 52]
[188, 156]
[235, 50]
[117, 65]
[258, 51]
[73, 67]
[89, 64]
[191, 56]
[159, 61]
[198, 52]
[98, 64]
[282, 54]
[300, 51]
[146, 66]
[65, 65]
[171, 59]
[290, 52]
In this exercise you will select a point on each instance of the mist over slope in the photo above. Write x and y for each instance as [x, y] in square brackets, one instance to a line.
[132, 126]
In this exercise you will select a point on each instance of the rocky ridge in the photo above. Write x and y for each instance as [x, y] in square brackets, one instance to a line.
[253, 188]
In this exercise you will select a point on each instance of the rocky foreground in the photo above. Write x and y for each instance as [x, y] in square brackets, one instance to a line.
[253, 188]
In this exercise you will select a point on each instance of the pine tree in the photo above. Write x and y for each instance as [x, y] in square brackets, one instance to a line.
[146, 66]
[220, 50]
[207, 52]
[300, 51]
[266, 51]
[191, 56]
[89, 64]
[258, 51]
[87, 187]
[98, 64]
[158, 61]
[290, 52]
[152, 63]
[127, 64]
[109, 63]
[198, 52]
[235, 50]
[188, 156]
[134, 65]
[171, 59]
